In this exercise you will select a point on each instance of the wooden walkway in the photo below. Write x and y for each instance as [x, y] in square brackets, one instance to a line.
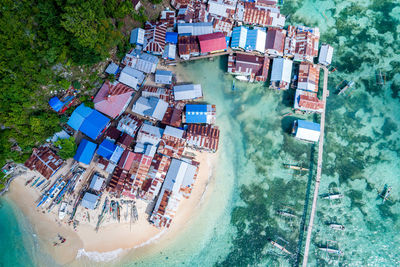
[319, 169]
[179, 60]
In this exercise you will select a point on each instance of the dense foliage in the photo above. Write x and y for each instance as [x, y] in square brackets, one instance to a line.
[40, 40]
[67, 147]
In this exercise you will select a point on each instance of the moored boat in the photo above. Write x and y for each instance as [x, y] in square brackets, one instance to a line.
[63, 210]
[336, 226]
[331, 250]
[333, 196]
[275, 244]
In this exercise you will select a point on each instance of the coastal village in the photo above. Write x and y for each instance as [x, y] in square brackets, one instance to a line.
[138, 146]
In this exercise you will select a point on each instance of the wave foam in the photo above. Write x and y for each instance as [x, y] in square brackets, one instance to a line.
[100, 256]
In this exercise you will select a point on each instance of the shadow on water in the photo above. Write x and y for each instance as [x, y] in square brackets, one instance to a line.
[287, 123]
[305, 211]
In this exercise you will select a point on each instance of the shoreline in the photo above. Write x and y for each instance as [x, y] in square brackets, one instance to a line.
[113, 239]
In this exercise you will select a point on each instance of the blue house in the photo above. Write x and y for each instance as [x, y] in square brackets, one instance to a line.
[137, 36]
[106, 149]
[112, 69]
[94, 124]
[171, 37]
[85, 151]
[56, 103]
[239, 36]
[78, 116]
[200, 114]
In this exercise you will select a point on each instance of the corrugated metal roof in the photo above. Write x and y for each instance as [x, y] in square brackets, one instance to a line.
[187, 92]
[78, 116]
[239, 36]
[112, 68]
[195, 29]
[169, 52]
[163, 77]
[89, 200]
[56, 103]
[85, 151]
[96, 183]
[137, 36]
[281, 70]
[307, 130]
[200, 114]
[325, 55]
[94, 124]
[212, 42]
[172, 131]
[106, 149]
[171, 37]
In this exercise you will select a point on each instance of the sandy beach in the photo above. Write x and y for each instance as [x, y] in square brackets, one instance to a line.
[112, 235]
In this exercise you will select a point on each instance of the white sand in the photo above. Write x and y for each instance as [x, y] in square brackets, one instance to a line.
[111, 235]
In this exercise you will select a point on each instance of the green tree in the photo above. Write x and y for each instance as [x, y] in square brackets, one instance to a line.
[67, 147]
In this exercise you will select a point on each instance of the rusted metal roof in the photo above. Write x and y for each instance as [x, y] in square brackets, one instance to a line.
[44, 161]
[203, 137]
[188, 45]
[308, 77]
[249, 65]
[263, 17]
[155, 37]
[275, 42]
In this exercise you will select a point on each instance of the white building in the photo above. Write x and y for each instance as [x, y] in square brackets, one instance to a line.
[306, 130]
[325, 55]
[187, 92]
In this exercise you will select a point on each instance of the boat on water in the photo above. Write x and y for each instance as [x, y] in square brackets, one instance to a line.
[242, 78]
[275, 244]
[233, 85]
[385, 193]
[295, 167]
[333, 196]
[35, 182]
[336, 226]
[63, 210]
[331, 250]
[286, 214]
[41, 182]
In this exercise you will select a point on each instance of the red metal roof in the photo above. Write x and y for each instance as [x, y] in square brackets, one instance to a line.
[212, 42]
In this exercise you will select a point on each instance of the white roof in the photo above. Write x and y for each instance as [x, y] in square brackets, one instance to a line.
[172, 131]
[96, 183]
[179, 173]
[281, 70]
[218, 8]
[187, 91]
[152, 107]
[307, 134]
[130, 77]
[149, 134]
[261, 39]
[195, 29]
[325, 54]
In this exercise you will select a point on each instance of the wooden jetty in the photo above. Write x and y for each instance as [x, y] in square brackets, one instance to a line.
[319, 169]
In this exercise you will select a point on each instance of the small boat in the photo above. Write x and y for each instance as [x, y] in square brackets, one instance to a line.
[242, 78]
[336, 226]
[347, 86]
[35, 182]
[275, 244]
[331, 250]
[233, 85]
[333, 196]
[386, 192]
[295, 167]
[41, 182]
[63, 210]
[30, 180]
[286, 214]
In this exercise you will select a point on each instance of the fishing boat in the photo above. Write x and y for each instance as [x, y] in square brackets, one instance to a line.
[41, 182]
[30, 180]
[385, 193]
[55, 193]
[118, 212]
[46, 195]
[333, 196]
[331, 250]
[242, 78]
[63, 210]
[45, 185]
[336, 226]
[275, 244]
[35, 182]
[347, 86]
[285, 214]
[295, 167]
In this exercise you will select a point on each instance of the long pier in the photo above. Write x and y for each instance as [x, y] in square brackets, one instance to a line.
[319, 169]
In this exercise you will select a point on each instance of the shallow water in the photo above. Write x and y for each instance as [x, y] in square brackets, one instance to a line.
[234, 225]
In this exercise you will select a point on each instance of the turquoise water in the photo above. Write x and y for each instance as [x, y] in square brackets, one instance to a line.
[234, 224]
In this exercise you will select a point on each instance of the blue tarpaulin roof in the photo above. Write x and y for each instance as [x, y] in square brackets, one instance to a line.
[94, 124]
[171, 37]
[85, 151]
[56, 103]
[106, 149]
[196, 113]
[308, 125]
[78, 116]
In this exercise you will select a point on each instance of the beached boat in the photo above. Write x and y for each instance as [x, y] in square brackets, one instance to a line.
[30, 180]
[41, 182]
[35, 182]
[336, 226]
[331, 250]
[333, 196]
[295, 167]
[55, 193]
[63, 210]
[275, 244]
[46, 195]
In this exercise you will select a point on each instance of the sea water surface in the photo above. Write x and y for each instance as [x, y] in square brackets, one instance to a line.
[235, 224]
